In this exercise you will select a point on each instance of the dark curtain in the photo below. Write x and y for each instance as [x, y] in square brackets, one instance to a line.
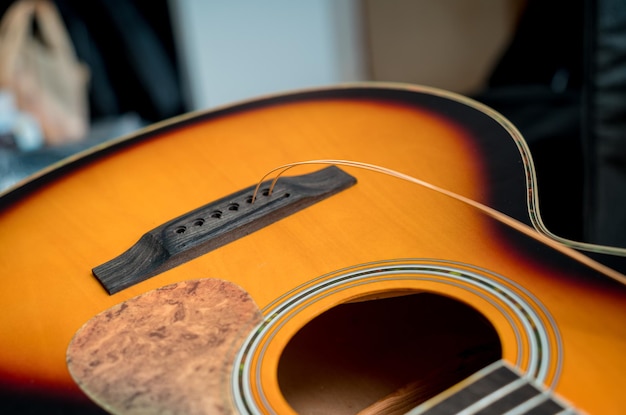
[562, 82]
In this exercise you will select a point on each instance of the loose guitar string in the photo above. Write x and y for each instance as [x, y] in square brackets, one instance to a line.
[531, 181]
[499, 216]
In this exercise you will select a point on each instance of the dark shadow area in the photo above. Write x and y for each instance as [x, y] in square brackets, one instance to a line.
[358, 353]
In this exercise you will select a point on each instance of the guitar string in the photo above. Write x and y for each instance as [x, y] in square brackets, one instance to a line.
[278, 315]
[534, 233]
[531, 183]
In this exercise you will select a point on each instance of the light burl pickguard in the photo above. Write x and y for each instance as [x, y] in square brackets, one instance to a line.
[167, 351]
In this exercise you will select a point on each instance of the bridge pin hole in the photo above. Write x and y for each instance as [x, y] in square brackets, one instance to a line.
[217, 214]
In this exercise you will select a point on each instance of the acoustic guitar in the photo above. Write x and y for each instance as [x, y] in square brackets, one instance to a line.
[394, 260]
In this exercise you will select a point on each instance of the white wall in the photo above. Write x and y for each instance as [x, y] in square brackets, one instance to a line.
[236, 49]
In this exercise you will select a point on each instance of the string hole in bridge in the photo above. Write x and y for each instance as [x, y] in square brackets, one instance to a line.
[235, 206]
[198, 222]
[216, 214]
[180, 229]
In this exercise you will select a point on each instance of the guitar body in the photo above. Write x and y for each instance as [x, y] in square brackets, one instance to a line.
[381, 241]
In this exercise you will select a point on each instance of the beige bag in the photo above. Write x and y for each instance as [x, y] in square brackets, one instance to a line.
[43, 73]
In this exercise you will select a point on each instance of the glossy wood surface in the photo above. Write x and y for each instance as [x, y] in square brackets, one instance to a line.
[56, 229]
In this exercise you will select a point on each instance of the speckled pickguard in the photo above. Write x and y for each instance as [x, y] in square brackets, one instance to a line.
[166, 351]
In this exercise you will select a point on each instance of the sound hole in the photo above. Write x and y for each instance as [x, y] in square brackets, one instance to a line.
[384, 356]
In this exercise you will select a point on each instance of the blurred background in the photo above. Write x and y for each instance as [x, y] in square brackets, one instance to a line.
[233, 50]
[150, 60]
[203, 53]
[547, 66]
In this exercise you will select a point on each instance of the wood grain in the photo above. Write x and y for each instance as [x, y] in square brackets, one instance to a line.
[217, 223]
[56, 229]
